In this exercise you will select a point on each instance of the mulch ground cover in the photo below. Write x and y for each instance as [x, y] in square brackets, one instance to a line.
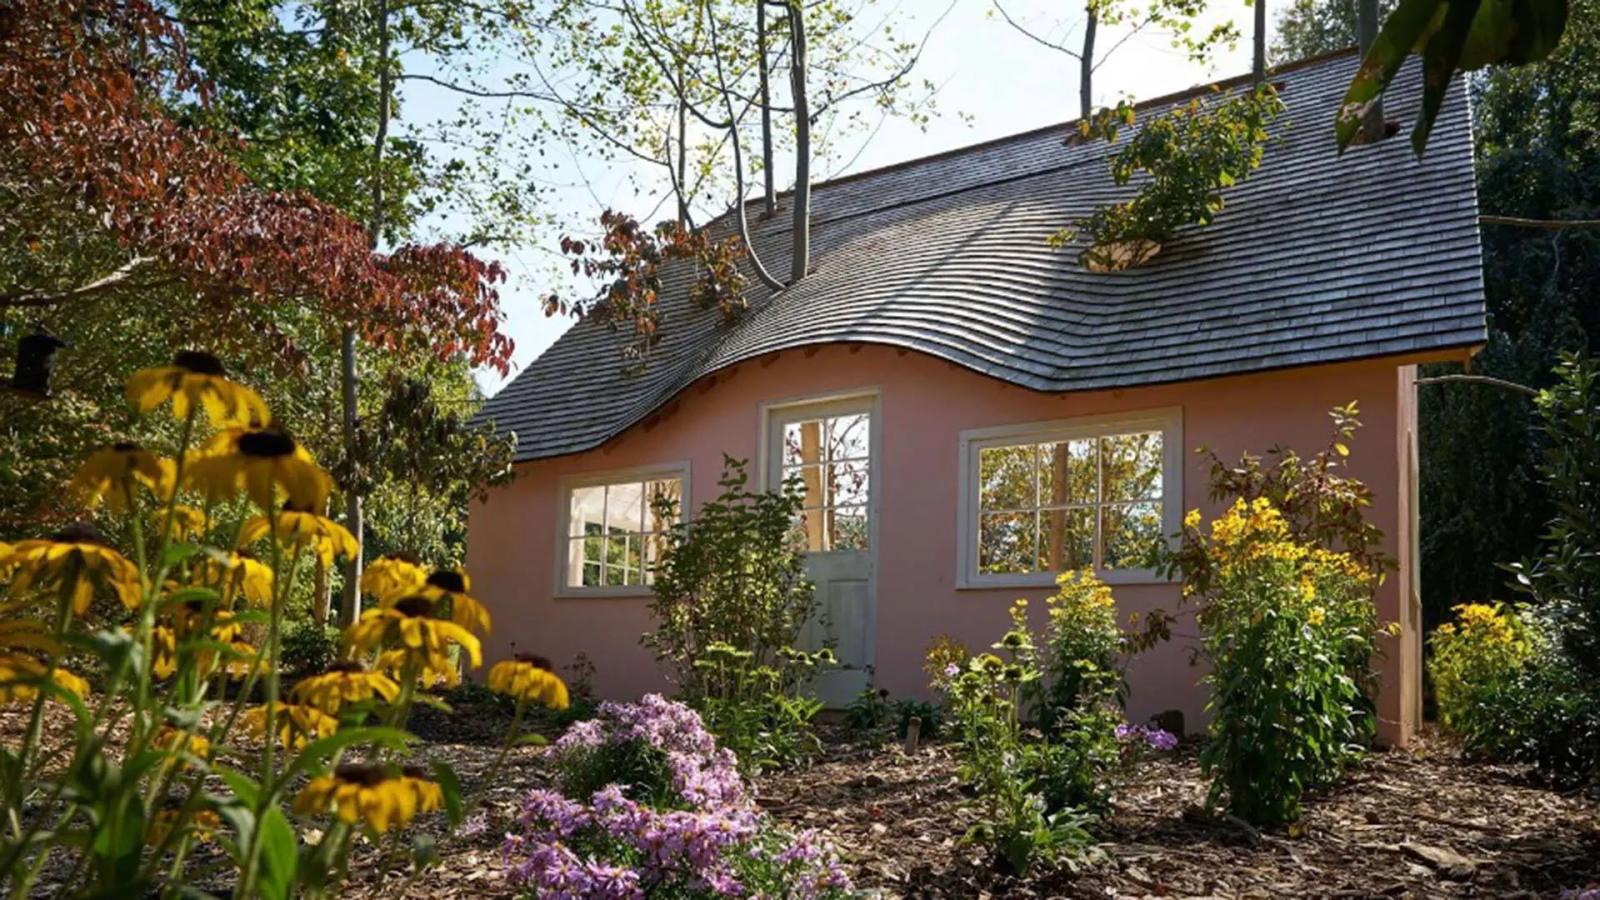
[1421, 823]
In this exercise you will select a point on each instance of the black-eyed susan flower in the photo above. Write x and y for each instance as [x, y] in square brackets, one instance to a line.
[197, 380]
[380, 796]
[529, 679]
[181, 743]
[224, 641]
[202, 824]
[436, 672]
[108, 472]
[261, 462]
[392, 576]
[22, 673]
[297, 723]
[237, 576]
[188, 523]
[75, 560]
[305, 530]
[451, 586]
[344, 682]
[410, 625]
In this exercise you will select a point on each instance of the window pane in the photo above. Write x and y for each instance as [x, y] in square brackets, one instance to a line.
[802, 442]
[808, 481]
[665, 489]
[1132, 534]
[1067, 472]
[1132, 466]
[587, 503]
[1005, 477]
[807, 531]
[625, 507]
[622, 560]
[848, 484]
[849, 526]
[848, 436]
[1066, 538]
[1006, 542]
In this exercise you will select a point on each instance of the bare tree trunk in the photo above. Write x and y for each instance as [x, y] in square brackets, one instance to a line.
[1260, 68]
[683, 158]
[765, 277]
[324, 596]
[1091, 24]
[1372, 125]
[800, 254]
[350, 605]
[770, 194]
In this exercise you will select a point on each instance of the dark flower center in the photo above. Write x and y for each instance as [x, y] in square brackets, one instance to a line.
[266, 444]
[199, 362]
[125, 446]
[448, 580]
[360, 773]
[416, 606]
[79, 533]
[404, 556]
[538, 662]
[347, 666]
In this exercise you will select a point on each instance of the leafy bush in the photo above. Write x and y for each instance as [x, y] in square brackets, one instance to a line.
[762, 713]
[1289, 630]
[1547, 716]
[931, 715]
[309, 646]
[1190, 155]
[1082, 651]
[650, 806]
[730, 576]
[1473, 660]
[869, 710]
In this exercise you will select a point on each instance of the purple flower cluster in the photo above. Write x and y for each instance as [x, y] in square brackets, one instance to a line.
[1157, 738]
[702, 774]
[610, 847]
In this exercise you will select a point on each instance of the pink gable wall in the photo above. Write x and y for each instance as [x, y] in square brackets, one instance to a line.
[925, 404]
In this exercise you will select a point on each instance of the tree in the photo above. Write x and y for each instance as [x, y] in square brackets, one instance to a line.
[1175, 15]
[1306, 28]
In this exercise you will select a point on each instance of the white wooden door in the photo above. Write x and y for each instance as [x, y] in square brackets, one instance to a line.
[829, 448]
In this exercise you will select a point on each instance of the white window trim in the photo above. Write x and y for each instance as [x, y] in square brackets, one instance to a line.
[564, 488]
[1168, 420]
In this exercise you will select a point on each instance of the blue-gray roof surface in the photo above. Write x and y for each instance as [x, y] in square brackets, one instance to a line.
[1315, 259]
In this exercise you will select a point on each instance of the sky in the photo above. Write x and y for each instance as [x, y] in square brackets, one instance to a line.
[992, 81]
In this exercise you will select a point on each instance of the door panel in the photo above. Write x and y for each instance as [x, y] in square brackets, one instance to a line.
[830, 450]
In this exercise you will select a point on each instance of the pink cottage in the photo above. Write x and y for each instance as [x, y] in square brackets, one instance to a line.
[971, 411]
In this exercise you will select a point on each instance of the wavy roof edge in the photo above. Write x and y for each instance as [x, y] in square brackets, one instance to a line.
[572, 398]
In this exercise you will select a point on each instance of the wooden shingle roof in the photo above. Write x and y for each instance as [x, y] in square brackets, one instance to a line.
[1316, 259]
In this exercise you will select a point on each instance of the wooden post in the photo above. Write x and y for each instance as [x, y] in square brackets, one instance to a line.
[913, 734]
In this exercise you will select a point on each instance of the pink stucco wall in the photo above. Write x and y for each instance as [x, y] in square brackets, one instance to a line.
[925, 404]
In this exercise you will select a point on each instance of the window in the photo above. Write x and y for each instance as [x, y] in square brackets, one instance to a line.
[615, 531]
[829, 458]
[1042, 499]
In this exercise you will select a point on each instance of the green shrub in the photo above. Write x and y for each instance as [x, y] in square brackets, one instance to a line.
[1289, 629]
[1081, 657]
[931, 715]
[309, 646]
[1474, 659]
[869, 710]
[731, 596]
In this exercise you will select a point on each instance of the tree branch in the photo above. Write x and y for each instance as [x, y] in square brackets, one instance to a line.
[114, 279]
[1481, 379]
[738, 167]
[1031, 36]
[1539, 223]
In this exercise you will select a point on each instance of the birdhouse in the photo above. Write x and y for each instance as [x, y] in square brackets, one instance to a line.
[35, 359]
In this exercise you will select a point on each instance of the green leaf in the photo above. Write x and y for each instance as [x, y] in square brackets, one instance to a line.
[177, 553]
[280, 856]
[450, 786]
[532, 739]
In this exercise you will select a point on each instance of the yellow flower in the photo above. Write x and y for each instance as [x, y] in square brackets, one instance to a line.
[1317, 615]
[378, 795]
[344, 682]
[261, 463]
[75, 560]
[528, 679]
[21, 675]
[392, 576]
[297, 723]
[163, 651]
[188, 523]
[202, 824]
[1191, 519]
[238, 575]
[103, 475]
[452, 585]
[409, 624]
[197, 379]
[435, 672]
[170, 740]
[306, 530]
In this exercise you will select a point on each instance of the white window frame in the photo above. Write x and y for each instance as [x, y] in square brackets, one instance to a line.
[569, 483]
[1168, 421]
